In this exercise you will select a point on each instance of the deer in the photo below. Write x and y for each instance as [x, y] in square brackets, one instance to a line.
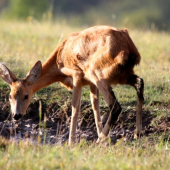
[99, 56]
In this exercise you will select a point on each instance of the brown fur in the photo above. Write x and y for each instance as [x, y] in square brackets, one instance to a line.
[101, 48]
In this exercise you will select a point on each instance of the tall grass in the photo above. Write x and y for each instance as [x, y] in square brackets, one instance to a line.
[22, 44]
[140, 154]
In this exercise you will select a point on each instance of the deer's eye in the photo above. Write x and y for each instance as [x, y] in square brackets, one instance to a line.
[26, 97]
[10, 97]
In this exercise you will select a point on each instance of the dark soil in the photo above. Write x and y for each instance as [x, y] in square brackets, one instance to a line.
[50, 123]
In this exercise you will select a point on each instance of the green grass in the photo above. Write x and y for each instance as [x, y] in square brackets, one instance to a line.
[23, 43]
[142, 154]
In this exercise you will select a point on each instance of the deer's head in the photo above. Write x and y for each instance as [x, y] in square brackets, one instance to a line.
[21, 89]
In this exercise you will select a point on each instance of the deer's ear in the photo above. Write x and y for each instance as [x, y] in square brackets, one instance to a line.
[6, 74]
[35, 73]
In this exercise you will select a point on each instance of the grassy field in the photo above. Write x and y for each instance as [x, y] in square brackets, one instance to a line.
[22, 44]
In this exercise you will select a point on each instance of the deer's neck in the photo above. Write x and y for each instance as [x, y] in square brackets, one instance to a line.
[50, 73]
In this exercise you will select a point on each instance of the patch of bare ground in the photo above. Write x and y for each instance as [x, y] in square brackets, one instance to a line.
[50, 123]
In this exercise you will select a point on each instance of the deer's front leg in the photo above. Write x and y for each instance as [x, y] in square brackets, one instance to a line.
[95, 100]
[77, 88]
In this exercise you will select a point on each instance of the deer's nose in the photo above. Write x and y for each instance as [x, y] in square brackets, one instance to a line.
[17, 116]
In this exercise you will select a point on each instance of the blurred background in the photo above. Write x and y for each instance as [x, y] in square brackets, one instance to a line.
[144, 14]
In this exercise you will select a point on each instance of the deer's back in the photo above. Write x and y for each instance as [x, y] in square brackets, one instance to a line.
[101, 45]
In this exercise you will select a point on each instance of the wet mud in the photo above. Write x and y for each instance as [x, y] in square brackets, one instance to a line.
[50, 123]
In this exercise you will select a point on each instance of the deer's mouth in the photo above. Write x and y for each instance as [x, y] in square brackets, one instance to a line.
[17, 116]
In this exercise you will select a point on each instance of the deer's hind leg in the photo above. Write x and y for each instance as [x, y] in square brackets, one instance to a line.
[138, 84]
[114, 106]
[115, 110]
